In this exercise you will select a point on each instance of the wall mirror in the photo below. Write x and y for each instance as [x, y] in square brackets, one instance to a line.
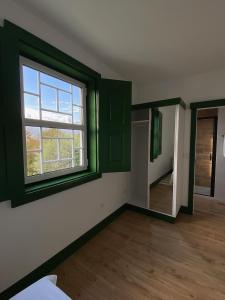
[157, 146]
[161, 165]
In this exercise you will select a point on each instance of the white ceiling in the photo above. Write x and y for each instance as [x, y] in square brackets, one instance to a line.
[144, 40]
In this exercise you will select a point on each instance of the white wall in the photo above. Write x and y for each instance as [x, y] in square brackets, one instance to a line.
[207, 86]
[164, 162]
[33, 233]
[220, 159]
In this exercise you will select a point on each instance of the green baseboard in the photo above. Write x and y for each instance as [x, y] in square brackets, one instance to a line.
[160, 178]
[151, 213]
[52, 263]
[185, 210]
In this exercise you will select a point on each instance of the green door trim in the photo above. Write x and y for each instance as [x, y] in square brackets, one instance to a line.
[160, 103]
[194, 107]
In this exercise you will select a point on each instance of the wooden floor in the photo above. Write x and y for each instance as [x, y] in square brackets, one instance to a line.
[139, 257]
[209, 205]
[161, 198]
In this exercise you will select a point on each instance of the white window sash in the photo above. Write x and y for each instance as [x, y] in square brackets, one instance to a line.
[49, 124]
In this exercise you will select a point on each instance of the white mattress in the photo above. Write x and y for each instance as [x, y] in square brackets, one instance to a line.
[43, 289]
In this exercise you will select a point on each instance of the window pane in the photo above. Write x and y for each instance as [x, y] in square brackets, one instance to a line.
[65, 148]
[65, 102]
[51, 97]
[55, 166]
[53, 81]
[78, 139]
[78, 157]
[56, 117]
[65, 164]
[49, 132]
[50, 149]
[77, 95]
[50, 167]
[33, 163]
[31, 106]
[48, 98]
[33, 138]
[30, 80]
[66, 133]
[77, 115]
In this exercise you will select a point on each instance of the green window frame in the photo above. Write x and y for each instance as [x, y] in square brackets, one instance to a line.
[3, 195]
[156, 134]
[18, 42]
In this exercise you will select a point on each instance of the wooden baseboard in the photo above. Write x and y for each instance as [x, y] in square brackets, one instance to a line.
[50, 264]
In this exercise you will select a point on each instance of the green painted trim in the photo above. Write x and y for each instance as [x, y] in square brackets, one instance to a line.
[160, 178]
[194, 107]
[52, 263]
[152, 138]
[43, 189]
[208, 104]
[3, 192]
[185, 210]
[20, 42]
[27, 39]
[159, 103]
[151, 213]
[160, 133]
[213, 176]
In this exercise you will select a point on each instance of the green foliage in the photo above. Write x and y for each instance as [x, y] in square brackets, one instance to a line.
[33, 158]
[33, 164]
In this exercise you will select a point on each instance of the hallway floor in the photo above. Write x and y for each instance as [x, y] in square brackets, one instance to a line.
[208, 205]
[139, 257]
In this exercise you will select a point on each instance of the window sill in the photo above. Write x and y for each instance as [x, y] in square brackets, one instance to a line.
[43, 189]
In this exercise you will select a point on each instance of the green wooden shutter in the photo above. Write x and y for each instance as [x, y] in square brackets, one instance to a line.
[156, 134]
[2, 140]
[160, 133]
[2, 166]
[115, 125]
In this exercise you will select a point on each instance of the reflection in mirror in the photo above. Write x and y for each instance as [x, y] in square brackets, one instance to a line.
[161, 159]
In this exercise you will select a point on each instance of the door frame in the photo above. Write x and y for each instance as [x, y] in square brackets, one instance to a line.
[214, 147]
[194, 106]
[213, 176]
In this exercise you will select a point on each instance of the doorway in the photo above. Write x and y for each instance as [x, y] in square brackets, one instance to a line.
[205, 162]
[215, 155]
